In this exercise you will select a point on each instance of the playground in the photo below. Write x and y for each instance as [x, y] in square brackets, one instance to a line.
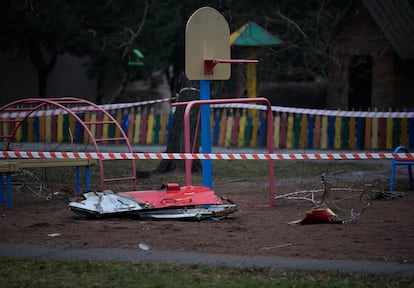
[382, 232]
[377, 227]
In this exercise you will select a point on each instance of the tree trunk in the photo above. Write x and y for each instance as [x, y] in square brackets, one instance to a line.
[41, 83]
[100, 85]
[176, 136]
[121, 89]
[44, 61]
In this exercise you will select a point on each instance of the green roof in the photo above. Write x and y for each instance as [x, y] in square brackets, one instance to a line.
[135, 58]
[251, 34]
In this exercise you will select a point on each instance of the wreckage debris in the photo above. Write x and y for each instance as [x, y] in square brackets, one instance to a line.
[318, 215]
[332, 210]
[171, 202]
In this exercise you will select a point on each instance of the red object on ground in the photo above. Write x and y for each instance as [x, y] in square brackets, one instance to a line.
[318, 215]
[173, 195]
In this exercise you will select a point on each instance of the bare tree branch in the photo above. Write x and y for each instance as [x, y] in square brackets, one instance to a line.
[290, 21]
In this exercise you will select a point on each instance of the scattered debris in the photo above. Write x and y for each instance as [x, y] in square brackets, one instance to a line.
[317, 215]
[386, 195]
[170, 202]
[336, 210]
[278, 246]
[143, 246]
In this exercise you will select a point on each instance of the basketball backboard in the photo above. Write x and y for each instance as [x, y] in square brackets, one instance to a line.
[207, 37]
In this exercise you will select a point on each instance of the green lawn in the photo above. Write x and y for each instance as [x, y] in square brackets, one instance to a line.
[54, 273]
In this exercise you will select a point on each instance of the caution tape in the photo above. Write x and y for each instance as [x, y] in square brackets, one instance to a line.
[321, 112]
[205, 156]
[81, 109]
[279, 109]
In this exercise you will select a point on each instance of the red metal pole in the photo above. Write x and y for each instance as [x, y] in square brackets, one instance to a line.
[270, 144]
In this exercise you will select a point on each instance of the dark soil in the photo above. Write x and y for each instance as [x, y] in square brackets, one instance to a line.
[384, 231]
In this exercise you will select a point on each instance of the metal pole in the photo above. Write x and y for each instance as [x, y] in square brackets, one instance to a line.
[205, 134]
[1, 188]
[270, 143]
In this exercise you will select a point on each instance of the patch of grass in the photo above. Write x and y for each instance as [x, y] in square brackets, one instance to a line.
[258, 169]
[223, 171]
[294, 168]
[68, 273]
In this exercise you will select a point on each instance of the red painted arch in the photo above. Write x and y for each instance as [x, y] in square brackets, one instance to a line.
[26, 108]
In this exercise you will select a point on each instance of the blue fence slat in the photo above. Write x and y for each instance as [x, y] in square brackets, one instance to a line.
[360, 133]
[331, 131]
[311, 124]
[169, 125]
[125, 123]
[262, 132]
[411, 133]
[78, 130]
[216, 129]
[345, 133]
[36, 129]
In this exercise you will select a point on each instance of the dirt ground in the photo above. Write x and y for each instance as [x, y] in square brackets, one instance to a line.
[384, 231]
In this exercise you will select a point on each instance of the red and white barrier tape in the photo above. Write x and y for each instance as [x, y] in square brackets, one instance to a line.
[82, 109]
[320, 112]
[203, 156]
[280, 109]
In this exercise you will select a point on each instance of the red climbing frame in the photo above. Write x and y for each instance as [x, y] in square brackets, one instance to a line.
[269, 126]
[20, 110]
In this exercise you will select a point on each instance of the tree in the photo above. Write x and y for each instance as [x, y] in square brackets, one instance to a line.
[105, 31]
[108, 32]
[306, 27]
[176, 138]
[38, 30]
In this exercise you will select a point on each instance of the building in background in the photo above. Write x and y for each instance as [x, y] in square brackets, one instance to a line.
[374, 63]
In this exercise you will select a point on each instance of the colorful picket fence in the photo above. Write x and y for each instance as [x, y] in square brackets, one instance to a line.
[232, 127]
[302, 131]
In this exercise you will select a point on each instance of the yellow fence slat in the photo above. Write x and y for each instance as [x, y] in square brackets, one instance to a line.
[222, 129]
[242, 131]
[338, 132]
[5, 130]
[93, 126]
[255, 129]
[388, 142]
[163, 130]
[276, 132]
[48, 129]
[150, 125]
[105, 127]
[42, 124]
[72, 128]
[229, 130]
[18, 134]
[137, 130]
[59, 128]
[290, 132]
